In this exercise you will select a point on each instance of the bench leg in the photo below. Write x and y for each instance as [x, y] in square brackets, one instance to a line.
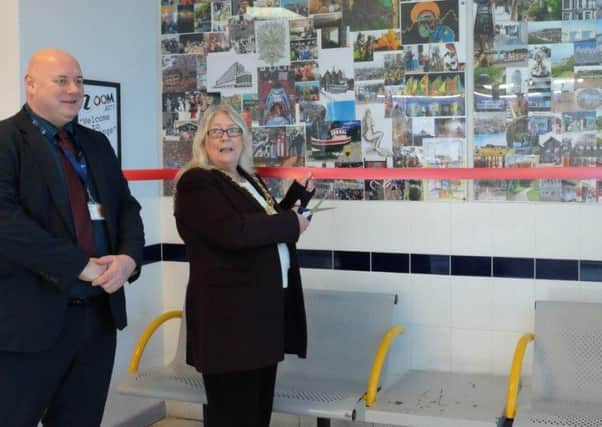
[323, 422]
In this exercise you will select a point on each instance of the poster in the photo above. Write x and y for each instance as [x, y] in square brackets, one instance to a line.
[101, 110]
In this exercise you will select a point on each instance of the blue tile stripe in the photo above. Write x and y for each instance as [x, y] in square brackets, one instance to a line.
[429, 264]
[391, 262]
[590, 271]
[518, 268]
[462, 265]
[557, 269]
[310, 258]
[348, 260]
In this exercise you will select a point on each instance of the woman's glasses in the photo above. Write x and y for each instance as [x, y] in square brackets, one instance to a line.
[219, 132]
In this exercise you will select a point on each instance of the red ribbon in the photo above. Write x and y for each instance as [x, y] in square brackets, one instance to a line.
[495, 174]
[150, 174]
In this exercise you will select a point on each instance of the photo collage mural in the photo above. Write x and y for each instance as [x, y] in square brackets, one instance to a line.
[382, 83]
[538, 95]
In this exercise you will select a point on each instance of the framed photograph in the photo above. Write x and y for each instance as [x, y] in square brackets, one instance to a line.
[101, 110]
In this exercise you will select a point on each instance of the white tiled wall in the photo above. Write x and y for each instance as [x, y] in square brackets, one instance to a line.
[512, 227]
[175, 278]
[429, 229]
[588, 233]
[430, 347]
[512, 304]
[169, 233]
[502, 349]
[471, 303]
[557, 290]
[430, 298]
[468, 352]
[470, 227]
[557, 231]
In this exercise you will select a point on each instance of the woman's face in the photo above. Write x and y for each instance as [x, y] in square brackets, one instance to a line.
[223, 152]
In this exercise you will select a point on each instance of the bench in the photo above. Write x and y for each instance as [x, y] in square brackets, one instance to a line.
[348, 332]
[566, 386]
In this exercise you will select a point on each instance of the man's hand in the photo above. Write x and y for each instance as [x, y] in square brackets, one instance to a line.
[92, 270]
[118, 269]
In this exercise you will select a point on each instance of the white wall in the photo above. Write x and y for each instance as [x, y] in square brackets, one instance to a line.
[115, 41]
[10, 74]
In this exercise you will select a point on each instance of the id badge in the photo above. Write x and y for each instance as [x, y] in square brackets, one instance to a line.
[96, 212]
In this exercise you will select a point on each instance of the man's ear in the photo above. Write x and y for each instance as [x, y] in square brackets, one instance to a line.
[29, 85]
[28, 81]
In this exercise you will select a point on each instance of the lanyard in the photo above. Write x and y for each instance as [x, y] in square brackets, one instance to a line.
[77, 162]
[80, 167]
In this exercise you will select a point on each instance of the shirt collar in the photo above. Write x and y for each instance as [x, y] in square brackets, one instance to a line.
[48, 129]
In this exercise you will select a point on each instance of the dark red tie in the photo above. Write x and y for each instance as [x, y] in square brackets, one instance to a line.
[77, 197]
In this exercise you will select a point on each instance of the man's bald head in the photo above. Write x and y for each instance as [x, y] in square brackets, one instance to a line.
[54, 86]
[45, 57]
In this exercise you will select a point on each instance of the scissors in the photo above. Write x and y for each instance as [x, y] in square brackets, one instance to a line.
[314, 209]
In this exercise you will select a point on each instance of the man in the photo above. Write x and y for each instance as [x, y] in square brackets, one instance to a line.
[70, 236]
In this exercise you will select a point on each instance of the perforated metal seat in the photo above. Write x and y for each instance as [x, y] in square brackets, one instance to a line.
[175, 381]
[555, 413]
[439, 399]
[172, 382]
[345, 329]
[566, 386]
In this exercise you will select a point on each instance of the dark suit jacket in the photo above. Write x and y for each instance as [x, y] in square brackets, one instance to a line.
[239, 317]
[38, 254]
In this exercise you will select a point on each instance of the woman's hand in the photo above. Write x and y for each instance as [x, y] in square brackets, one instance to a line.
[303, 222]
[307, 181]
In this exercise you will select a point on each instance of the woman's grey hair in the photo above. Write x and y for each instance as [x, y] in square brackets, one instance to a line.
[199, 153]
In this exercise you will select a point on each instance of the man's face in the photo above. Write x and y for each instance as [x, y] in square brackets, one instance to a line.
[55, 89]
[426, 23]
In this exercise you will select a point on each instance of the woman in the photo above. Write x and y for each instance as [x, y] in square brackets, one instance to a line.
[244, 303]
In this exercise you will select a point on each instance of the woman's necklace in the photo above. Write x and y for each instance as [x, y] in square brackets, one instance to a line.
[236, 178]
[270, 201]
